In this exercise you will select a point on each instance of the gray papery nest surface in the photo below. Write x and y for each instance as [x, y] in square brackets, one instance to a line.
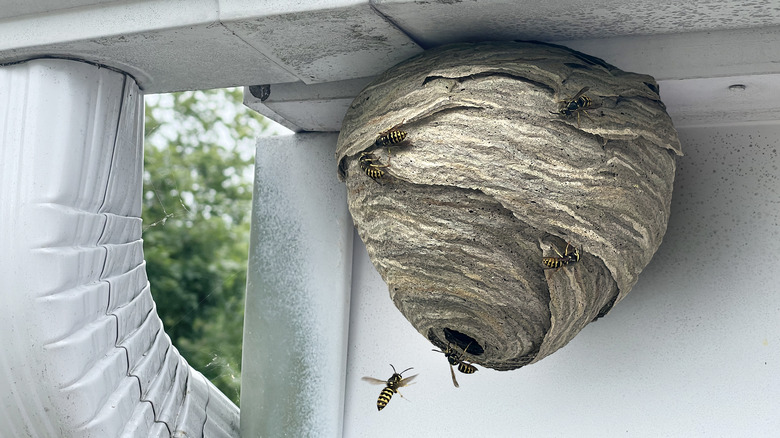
[491, 177]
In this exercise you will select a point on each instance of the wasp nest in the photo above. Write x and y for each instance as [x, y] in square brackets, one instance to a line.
[508, 193]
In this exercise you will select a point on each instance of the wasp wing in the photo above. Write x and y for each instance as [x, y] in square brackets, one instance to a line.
[394, 128]
[405, 382]
[580, 93]
[374, 381]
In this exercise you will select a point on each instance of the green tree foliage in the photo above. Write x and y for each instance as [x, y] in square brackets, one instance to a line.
[197, 206]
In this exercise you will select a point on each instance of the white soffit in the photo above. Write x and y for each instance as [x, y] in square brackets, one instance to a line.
[316, 55]
[165, 45]
[433, 23]
[171, 45]
[328, 41]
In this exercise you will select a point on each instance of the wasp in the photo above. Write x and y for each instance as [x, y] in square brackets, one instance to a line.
[371, 165]
[455, 358]
[390, 136]
[570, 255]
[391, 386]
[576, 105]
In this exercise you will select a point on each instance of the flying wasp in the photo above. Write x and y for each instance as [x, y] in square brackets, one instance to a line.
[455, 358]
[576, 105]
[570, 255]
[391, 386]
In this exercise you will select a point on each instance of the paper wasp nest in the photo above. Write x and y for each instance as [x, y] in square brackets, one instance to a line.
[494, 174]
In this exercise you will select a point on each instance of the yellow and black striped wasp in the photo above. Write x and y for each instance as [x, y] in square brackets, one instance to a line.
[391, 386]
[455, 358]
[390, 136]
[570, 255]
[371, 165]
[577, 104]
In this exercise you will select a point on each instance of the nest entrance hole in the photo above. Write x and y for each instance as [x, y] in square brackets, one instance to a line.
[463, 341]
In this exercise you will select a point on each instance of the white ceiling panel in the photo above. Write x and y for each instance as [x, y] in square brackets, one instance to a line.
[170, 45]
[432, 23]
[166, 46]
[314, 54]
[329, 44]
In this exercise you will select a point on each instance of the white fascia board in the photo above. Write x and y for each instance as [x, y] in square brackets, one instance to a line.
[722, 101]
[691, 55]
